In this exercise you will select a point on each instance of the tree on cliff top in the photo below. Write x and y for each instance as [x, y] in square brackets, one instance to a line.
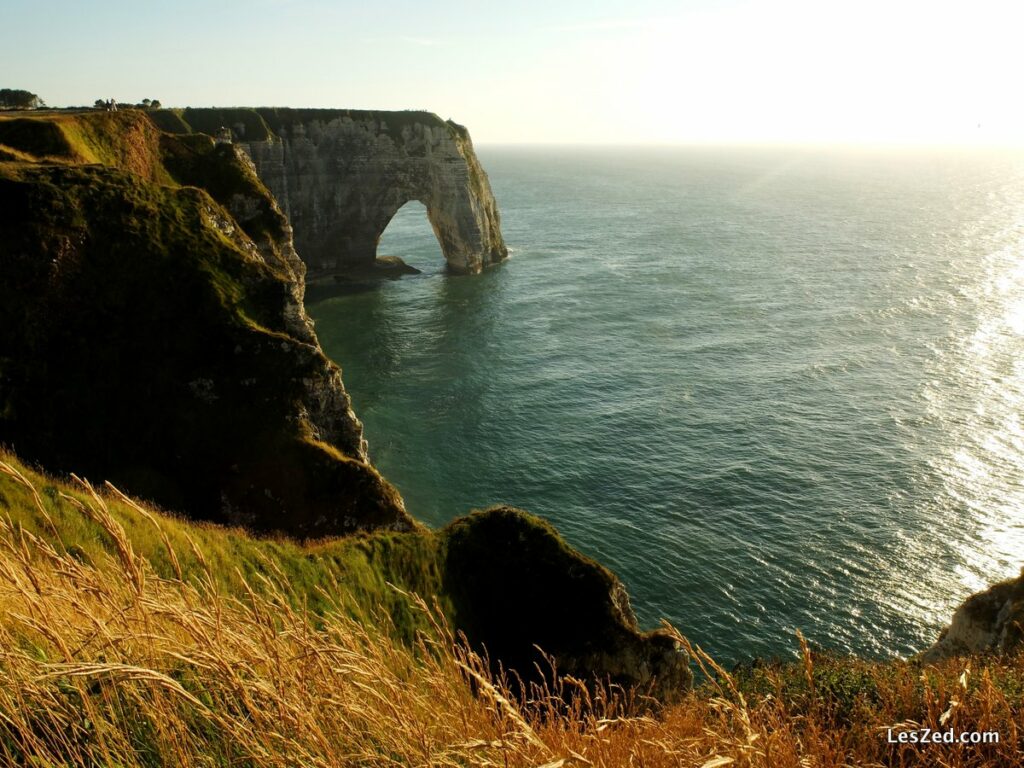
[15, 98]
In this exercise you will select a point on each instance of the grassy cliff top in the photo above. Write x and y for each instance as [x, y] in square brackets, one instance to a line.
[279, 117]
[125, 140]
[267, 123]
[131, 638]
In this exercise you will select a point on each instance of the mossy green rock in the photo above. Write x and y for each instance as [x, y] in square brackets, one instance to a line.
[515, 587]
[145, 339]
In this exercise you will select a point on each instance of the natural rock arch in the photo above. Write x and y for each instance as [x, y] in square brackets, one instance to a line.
[409, 229]
[341, 175]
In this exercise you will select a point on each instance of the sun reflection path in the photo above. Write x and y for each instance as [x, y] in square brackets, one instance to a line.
[980, 395]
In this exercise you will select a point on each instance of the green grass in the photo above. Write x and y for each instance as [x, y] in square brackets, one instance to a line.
[124, 140]
[169, 120]
[361, 567]
[501, 576]
[41, 138]
[279, 118]
[247, 124]
[237, 651]
[468, 567]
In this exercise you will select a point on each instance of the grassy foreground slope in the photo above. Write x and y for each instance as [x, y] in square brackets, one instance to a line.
[228, 559]
[131, 638]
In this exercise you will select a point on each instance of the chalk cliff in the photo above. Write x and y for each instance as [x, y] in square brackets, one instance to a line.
[989, 621]
[341, 175]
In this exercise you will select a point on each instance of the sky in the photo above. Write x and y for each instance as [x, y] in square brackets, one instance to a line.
[554, 71]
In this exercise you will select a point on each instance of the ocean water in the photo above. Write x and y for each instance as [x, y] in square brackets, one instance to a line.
[772, 389]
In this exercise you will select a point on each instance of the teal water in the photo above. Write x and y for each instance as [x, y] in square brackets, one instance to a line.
[772, 389]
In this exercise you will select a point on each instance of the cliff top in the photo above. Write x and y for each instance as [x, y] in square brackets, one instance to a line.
[265, 123]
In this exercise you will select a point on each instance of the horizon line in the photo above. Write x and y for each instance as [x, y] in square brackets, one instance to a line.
[763, 144]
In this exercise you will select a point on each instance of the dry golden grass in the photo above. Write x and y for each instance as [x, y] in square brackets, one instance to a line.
[110, 664]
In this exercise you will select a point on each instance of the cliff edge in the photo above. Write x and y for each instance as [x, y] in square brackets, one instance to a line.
[521, 594]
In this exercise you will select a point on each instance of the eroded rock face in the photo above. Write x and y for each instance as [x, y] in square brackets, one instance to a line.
[341, 175]
[989, 621]
[227, 173]
[154, 335]
[515, 585]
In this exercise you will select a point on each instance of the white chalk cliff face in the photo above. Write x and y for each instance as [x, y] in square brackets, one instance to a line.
[341, 175]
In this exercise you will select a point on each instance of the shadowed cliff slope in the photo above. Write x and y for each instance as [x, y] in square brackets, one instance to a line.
[149, 336]
[519, 591]
[341, 175]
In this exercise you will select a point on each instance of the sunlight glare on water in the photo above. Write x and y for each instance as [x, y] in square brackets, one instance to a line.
[984, 455]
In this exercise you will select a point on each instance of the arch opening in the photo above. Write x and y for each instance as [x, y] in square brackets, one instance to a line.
[410, 236]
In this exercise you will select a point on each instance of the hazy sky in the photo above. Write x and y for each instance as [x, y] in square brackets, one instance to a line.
[604, 71]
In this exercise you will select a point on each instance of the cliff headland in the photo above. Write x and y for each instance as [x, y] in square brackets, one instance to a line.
[262, 596]
[152, 333]
[341, 175]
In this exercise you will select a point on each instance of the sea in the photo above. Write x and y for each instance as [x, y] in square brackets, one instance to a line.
[773, 389]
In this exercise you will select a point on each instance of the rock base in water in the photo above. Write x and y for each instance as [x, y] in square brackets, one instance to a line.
[382, 268]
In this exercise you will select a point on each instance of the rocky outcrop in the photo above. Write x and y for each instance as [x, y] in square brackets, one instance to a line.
[989, 621]
[153, 334]
[341, 175]
[518, 589]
